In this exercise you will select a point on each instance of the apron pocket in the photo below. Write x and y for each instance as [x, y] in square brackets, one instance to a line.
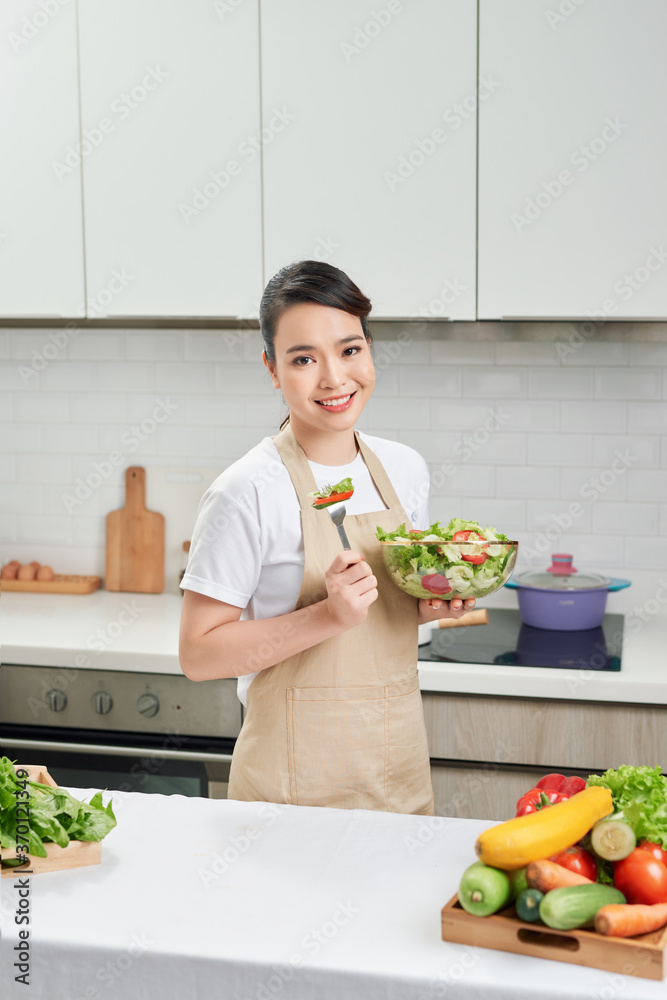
[337, 747]
[408, 764]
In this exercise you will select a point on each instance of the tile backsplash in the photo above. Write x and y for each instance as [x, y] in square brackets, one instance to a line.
[562, 452]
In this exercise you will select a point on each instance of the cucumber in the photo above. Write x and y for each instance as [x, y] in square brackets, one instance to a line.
[484, 890]
[576, 906]
[613, 838]
[527, 905]
[517, 882]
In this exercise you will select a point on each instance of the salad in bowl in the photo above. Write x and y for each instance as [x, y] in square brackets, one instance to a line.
[461, 560]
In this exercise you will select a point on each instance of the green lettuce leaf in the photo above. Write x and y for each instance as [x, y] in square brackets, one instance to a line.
[641, 792]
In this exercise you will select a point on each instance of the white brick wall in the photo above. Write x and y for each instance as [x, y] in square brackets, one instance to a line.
[520, 433]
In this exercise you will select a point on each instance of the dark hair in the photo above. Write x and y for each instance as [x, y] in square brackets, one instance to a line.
[309, 281]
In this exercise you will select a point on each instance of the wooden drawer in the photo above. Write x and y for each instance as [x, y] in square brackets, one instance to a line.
[479, 793]
[550, 734]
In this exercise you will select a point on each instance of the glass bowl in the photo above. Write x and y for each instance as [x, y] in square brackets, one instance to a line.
[453, 569]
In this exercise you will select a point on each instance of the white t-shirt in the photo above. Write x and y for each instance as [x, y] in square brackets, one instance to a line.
[247, 543]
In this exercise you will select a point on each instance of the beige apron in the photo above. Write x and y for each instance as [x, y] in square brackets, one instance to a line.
[340, 724]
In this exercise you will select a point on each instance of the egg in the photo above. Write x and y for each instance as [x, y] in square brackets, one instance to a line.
[26, 572]
[9, 571]
[45, 573]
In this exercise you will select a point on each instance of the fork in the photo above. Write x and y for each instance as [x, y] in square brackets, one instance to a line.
[337, 516]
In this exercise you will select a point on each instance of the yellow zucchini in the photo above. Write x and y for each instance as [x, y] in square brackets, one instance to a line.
[544, 833]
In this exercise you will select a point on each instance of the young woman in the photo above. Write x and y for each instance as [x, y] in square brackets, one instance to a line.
[323, 643]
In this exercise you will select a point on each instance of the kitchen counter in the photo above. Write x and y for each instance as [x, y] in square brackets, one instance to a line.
[210, 898]
[139, 632]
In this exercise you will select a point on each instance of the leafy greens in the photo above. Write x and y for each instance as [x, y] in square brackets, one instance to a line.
[53, 814]
[641, 794]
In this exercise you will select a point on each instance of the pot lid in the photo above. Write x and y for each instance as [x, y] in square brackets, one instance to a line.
[543, 580]
[560, 576]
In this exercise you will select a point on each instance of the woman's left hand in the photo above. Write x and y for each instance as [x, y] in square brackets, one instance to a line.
[434, 607]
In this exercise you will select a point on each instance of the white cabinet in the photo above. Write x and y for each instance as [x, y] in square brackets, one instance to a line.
[41, 236]
[372, 164]
[572, 147]
[170, 99]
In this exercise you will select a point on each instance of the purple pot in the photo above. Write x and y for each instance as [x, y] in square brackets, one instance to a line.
[560, 600]
[562, 610]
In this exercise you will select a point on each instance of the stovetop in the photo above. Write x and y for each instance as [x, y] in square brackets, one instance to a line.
[506, 641]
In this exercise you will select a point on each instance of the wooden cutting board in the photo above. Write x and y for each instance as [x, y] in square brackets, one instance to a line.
[135, 541]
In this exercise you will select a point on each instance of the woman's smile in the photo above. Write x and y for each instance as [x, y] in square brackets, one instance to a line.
[336, 404]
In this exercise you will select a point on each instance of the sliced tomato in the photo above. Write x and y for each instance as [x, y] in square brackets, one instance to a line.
[471, 536]
[657, 850]
[332, 498]
[414, 531]
[641, 878]
[436, 583]
[576, 859]
[468, 536]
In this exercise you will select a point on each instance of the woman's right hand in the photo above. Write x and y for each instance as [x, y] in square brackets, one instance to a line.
[351, 589]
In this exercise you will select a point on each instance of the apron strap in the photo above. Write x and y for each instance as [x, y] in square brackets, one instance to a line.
[303, 479]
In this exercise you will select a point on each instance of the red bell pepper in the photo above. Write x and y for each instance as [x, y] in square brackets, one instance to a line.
[549, 790]
[534, 800]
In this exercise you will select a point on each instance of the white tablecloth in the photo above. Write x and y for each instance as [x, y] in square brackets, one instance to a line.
[201, 899]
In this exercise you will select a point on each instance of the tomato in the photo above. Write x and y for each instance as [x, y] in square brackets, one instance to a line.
[332, 498]
[436, 583]
[415, 531]
[551, 781]
[577, 860]
[641, 878]
[471, 536]
[657, 850]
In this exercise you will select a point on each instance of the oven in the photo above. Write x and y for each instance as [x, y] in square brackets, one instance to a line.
[121, 730]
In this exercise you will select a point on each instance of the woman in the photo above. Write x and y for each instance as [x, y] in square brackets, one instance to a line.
[326, 653]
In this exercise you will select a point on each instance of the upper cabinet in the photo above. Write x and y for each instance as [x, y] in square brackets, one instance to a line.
[170, 116]
[572, 148]
[41, 235]
[369, 130]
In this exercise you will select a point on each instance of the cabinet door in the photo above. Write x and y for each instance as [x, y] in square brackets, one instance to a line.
[374, 168]
[572, 147]
[41, 235]
[170, 97]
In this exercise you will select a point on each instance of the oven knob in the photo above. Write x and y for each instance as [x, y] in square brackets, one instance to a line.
[102, 702]
[56, 699]
[148, 705]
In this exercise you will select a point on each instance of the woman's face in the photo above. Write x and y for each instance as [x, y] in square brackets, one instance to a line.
[323, 366]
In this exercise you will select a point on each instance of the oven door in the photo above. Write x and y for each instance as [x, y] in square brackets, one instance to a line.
[130, 762]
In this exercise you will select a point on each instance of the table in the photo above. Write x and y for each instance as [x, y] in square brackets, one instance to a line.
[225, 900]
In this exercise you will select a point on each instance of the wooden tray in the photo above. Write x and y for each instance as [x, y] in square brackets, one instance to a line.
[61, 584]
[642, 956]
[77, 853]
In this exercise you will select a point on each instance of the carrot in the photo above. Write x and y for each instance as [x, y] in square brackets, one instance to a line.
[628, 919]
[546, 875]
